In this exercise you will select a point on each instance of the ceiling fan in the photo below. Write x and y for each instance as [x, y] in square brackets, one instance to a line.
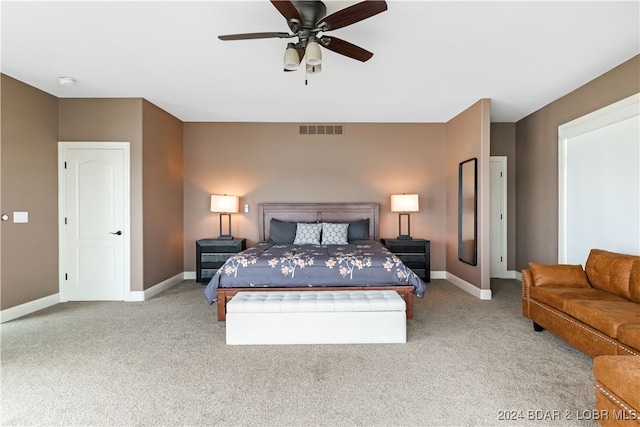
[306, 21]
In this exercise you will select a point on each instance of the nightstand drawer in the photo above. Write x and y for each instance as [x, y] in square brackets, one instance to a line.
[228, 246]
[412, 260]
[215, 257]
[400, 248]
[208, 273]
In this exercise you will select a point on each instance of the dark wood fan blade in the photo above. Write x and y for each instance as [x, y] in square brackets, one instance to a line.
[287, 9]
[345, 48]
[353, 14]
[248, 36]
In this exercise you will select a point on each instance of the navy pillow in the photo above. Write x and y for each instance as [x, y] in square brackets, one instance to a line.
[358, 230]
[282, 231]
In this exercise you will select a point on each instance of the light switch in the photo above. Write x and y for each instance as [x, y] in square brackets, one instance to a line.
[246, 208]
[20, 217]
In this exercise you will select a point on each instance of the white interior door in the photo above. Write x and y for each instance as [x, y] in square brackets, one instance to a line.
[94, 222]
[498, 227]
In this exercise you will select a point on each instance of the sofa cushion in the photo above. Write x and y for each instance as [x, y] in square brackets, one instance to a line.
[629, 335]
[605, 316]
[634, 281]
[610, 271]
[557, 296]
[558, 275]
[621, 375]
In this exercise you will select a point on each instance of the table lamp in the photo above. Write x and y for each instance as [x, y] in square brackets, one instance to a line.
[403, 204]
[225, 206]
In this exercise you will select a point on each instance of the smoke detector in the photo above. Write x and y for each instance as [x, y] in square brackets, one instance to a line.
[66, 81]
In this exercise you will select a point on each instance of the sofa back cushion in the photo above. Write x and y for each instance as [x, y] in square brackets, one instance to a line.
[634, 281]
[610, 271]
[558, 275]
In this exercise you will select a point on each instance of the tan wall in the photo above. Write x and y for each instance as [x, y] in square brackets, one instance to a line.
[163, 195]
[28, 182]
[468, 136]
[503, 143]
[537, 159]
[115, 120]
[271, 162]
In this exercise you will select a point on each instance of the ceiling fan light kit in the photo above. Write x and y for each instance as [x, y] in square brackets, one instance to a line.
[291, 58]
[313, 54]
[306, 20]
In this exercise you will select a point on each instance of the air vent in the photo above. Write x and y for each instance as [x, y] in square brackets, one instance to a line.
[321, 129]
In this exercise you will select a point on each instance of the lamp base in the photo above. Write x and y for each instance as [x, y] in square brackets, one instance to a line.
[225, 236]
[400, 235]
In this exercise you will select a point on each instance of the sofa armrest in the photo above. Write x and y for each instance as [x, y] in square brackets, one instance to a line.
[527, 282]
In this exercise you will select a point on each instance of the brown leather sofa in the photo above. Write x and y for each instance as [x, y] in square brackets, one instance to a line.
[596, 310]
[617, 390]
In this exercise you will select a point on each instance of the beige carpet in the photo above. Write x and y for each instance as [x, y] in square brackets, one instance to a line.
[164, 362]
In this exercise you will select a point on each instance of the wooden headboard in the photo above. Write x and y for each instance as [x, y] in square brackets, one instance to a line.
[312, 212]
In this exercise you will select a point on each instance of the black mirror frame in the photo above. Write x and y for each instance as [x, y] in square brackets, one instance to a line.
[467, 226]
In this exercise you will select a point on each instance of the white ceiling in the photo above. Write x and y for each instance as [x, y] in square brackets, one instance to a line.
[431, 59]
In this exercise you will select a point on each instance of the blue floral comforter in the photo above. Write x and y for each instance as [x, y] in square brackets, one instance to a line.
[267, 264]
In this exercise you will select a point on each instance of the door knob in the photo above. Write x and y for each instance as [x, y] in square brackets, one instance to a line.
[117, 233]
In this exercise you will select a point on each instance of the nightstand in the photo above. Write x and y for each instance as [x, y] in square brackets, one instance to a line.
[212, 253]
[415, 253]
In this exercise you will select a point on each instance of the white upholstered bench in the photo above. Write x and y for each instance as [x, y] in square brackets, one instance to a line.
[316, 317]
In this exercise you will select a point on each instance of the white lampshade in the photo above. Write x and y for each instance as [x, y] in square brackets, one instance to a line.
[314, 69]
[313, 54]
[225, 204]
[291, 58]
[404, 203]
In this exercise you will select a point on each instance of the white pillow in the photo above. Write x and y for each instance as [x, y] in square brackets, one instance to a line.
[307, 233]
[334, 233]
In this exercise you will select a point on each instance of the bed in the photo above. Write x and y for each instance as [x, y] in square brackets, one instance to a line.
[276, 263]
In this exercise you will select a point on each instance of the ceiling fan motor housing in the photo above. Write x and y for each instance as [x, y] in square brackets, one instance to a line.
[311, 13]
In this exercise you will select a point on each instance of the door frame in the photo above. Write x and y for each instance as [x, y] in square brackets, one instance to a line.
[616, 112]
[63, 146]
[502, 161]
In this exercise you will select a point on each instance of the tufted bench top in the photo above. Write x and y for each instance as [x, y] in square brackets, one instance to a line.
[315, 301]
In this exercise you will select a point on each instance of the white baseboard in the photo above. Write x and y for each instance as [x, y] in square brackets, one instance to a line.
[189, 275]
[511, 274]
[28, 308]
[132, 296]
[164, 285]
[438, 274]
[518, 275]
[483, 294]
[508, 274]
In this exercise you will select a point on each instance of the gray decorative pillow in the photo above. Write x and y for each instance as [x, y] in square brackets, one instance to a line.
[359, 230]
[308, 234]
[334, 233]
[282, 231]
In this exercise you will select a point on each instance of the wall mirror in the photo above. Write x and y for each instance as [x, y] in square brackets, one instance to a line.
[468, 211]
